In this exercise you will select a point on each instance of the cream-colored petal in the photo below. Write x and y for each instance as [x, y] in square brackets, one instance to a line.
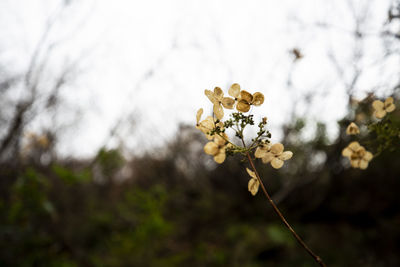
[220, 157]
[211, 148]
[261, 152]
[286, 155]
[218, 93]
[352, 129]
[368, 156]
[390, 108]
[220, 140]
[253, 186]
[210, 96]
[378, 105]
[207, 125]
[246, 96]
[354, 146]
[234, 90]
[198, 115]
[228, 102]
[388, 101]
[267, 158]
[218, 111]
[355, 163]
[243, 106]
[347, 152]
[363, 164]
[277, 148]
[379, 114]
[258, 99]
[276, 163]
[251, 173]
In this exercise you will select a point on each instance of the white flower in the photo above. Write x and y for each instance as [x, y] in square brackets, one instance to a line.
[381, 108]
[358, 156]
[218, 99]
[274, 155]
[253, 182]
[352, 129]
[217, 148]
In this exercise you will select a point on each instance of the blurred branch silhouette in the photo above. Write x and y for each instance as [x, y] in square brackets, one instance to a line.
[36, 91]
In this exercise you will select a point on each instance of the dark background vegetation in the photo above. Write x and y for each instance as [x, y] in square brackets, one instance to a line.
[173, 206]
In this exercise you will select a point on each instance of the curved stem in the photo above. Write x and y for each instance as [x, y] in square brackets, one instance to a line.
[278, 212]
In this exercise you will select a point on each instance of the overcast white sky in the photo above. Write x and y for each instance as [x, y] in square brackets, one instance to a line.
[156, 58]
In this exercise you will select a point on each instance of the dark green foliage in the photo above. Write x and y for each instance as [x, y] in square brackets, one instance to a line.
[182, 210]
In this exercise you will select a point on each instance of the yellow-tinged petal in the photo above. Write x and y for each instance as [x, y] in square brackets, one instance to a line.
[253, 186]
[276, 163]
[286, 155]
[378, 105]
[218, 111]
[379, 114]
[219, 140]
[354, 146]
[244, 95]
[218, 93]
[198, 115]
[388, 101]
[210, 96]
[261, 152]
[277, 148]
[207, 125]
[368, 156]
[390, 108]
[347, 152]
[267, 158]
[228, 102]
[352, 129]
[220, 157]
[243, 106]
[258, 99]
[211, 148]
[363, 164]
[251, 173]
[234, 91]
[355, 163]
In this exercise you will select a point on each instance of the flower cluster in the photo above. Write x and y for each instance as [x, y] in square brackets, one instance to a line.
[273, 154]
[220, 146]
[359, 157]
[382, 108]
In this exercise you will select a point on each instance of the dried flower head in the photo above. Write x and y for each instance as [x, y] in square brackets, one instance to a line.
[381, 108]
[359, 157]
[246, 100]
[253, 184]
[217, 148]
[218, 100]
[273, 154]
[352, 129]
[207, 125]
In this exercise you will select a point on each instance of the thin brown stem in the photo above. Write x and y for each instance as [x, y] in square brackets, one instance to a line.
[278, 212]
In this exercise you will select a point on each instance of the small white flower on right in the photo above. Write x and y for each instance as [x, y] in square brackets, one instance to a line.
[381, 108]
[359, 157]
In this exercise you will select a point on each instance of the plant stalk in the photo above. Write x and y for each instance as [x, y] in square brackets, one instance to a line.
[278, 212]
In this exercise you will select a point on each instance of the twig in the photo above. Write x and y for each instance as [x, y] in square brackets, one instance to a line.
[277, 211]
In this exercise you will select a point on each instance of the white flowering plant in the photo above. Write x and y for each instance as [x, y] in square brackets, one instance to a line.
[215, 129]
[381, 134]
